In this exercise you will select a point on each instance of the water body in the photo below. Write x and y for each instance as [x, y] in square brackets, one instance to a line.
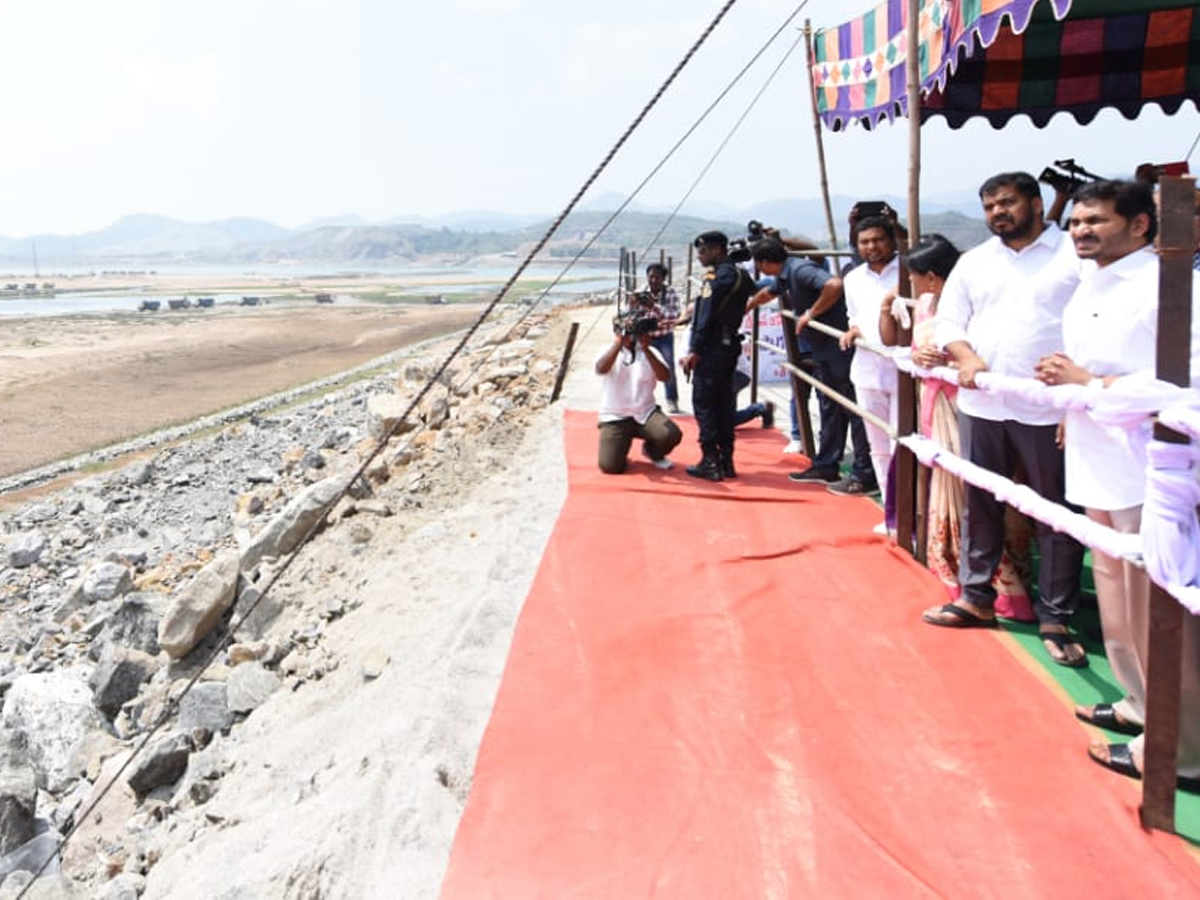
[416, 280]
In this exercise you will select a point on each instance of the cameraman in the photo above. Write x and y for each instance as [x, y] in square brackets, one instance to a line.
[627, 407]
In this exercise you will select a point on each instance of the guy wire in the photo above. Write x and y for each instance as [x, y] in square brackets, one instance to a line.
[732, 131]
[1193, 148]
[671, 152]
[290, 558]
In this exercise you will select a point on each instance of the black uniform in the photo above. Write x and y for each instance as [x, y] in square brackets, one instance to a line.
[716, 341]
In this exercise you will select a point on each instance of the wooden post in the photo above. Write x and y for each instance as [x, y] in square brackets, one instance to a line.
[913, 75]
[801, 390]
[754, 331]
[822, 171]
[624, 262]
[687, 299]
[565, 362]
[909, 520]
[1163, 668]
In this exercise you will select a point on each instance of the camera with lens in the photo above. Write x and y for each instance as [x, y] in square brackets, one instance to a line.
[641, 300]
[1069, 179]
[1063, 184]
[871, 209]
[739, 250]
[636, 322]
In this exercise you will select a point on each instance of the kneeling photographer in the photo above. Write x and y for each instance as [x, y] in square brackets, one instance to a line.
[629, 371]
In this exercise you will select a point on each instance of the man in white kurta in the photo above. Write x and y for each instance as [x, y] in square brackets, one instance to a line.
[874, 376]
[1110, 330]
[1001, 311]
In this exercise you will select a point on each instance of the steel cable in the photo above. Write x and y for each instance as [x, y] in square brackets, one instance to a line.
[383, 441]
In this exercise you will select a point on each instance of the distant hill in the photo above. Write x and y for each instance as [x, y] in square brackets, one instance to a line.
[148, 240]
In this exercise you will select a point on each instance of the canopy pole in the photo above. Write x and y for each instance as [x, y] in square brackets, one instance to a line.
[913, 70]
[824, 175]
[912, 483]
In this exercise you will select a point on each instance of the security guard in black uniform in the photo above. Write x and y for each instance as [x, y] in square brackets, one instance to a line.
[713, 349]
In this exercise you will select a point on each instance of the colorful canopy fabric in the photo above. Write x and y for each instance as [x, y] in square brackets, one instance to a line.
[1001, 58]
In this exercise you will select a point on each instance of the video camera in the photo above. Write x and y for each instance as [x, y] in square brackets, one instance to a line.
[1069, 179]
[636, 321]
[870, 209]
[740, 249]
[641, 300]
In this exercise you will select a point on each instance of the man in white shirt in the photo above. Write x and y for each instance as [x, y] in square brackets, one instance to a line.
[1001, 311]
[629, 370]
[874, 376]
[1110, 330]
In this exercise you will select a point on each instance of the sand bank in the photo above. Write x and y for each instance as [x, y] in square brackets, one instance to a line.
[75, 383]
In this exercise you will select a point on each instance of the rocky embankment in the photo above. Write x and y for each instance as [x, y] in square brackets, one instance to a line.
[146, 612]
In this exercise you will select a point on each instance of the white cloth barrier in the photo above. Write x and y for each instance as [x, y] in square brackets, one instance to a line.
[1026, 499]
[1169, 542]
[1170, 532]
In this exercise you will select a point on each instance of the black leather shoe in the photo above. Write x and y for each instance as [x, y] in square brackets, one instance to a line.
[707, 469]
[814, 476]
[727, 469]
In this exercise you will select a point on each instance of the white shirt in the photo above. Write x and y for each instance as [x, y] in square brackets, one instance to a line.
[627, 389]
[864, 292]
[1008, 306]
[1110, 327]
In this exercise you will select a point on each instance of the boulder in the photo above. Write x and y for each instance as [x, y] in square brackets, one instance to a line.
[119, 676]
[384, 414]
[294, 521]
[101, 582]
[161, 763]
[133, 622]
[198, 607]
[55, 711]
[249, 686]
[25, 548]
[30, 857]
[206, 705]
[18, 792]
[106, 580]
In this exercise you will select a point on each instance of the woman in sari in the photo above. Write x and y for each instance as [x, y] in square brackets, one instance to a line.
[929, 264]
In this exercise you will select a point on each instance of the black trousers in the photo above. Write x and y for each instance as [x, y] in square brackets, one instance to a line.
[832, 366]
[714, 400]
[997, 446]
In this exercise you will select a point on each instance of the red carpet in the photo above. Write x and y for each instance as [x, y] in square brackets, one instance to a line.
[726, 691]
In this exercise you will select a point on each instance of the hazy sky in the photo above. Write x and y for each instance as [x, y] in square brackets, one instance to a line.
[290, 110]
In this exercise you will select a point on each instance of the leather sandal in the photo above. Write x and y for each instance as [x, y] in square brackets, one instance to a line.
[1104, 716]
[1061, 641]
[951, 615]
[1120, 760]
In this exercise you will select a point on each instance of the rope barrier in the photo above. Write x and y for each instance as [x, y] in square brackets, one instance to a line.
[1022, 497]
[1168, 545]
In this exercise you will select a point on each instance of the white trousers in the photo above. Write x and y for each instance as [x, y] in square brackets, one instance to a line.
[883, 404]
